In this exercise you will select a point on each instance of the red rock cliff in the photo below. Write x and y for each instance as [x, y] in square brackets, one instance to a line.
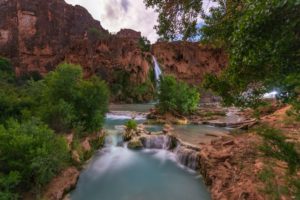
[189, 61]
[37, 35]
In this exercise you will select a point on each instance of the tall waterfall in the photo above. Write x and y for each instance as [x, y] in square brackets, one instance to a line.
[157, 70]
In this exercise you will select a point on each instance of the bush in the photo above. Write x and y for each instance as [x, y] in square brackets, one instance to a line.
[31, 154]
[65, 101]
[275, 146]
[131, 124]
[13, 102]
[7, 73]
[7, 185]
[123, 89]
[177, 97]
[94, 35]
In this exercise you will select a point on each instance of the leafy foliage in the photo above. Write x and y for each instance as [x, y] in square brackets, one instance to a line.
[74, 102]
[176, 96]
[275, 145]
[260, 37]
[131, 124]
[125, 90]
[31, 154]
[176, 17]
[144, 44]
[7, 184]
[94, 35]
[7, 73]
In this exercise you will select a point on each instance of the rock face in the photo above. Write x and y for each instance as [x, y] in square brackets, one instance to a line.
[37, 35]
[189, 61]
[128, 33]
[61, 184]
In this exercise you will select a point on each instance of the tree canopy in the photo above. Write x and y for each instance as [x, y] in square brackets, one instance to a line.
[261, 38]
[176, 96]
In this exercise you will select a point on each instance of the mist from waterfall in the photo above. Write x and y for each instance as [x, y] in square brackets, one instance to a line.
[157, 70]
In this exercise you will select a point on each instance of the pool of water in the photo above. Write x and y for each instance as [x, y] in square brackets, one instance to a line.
[198, 134]
[117, 173]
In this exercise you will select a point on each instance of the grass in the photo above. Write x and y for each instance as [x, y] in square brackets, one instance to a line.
[275, 146]
[272, 188]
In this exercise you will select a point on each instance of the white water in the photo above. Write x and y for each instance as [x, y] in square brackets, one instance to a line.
[157, 70]
[117, 173]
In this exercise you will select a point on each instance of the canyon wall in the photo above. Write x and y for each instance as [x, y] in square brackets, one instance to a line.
[189, 61]
[37, 35]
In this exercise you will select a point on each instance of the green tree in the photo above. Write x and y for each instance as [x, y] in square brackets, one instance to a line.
[144, 44]
[176, 17]
[66, 101]
[176, 96]
[7, 185]
[7, 73]
[31, 154]
[261, 39]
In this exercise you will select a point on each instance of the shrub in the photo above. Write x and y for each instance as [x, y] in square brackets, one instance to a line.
[176, 96]
[74, 103]
[13, 102]
[131, 124]
[94, 35]
[275, 146]
[31, 154]
[123, 89]
[7, 185]
[7, 73]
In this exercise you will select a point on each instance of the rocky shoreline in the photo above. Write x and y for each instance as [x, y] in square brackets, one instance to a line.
[67, 179]
[229, 164]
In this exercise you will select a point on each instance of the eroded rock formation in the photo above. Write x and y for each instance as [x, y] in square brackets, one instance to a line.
[37, 35]
[189, 61]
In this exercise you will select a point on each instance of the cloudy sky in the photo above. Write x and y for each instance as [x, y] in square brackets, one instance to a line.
[117, 14]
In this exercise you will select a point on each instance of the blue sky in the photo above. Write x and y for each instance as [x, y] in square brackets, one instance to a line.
[117, 14]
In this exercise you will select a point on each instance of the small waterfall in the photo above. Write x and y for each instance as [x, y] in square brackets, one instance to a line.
[188, 157]
[185, 155]
[113, 139]
[158, 142]
[157, 70]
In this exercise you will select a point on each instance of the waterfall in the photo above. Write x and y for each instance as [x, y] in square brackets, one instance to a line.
[157, 70]
[113, 139]
[159, 142]
[188, 157]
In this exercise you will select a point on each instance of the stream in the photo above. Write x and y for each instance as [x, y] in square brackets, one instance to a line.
[117, 173]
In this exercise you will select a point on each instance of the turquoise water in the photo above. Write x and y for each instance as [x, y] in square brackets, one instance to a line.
[122, 174]
[117, 173]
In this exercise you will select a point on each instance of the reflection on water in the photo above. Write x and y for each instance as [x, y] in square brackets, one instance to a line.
[196, 134]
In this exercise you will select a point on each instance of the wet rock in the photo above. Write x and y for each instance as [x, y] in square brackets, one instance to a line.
[167, 128]
[135, 144]
[188, 157]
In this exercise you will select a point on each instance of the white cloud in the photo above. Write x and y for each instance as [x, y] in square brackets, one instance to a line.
[117, 14]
